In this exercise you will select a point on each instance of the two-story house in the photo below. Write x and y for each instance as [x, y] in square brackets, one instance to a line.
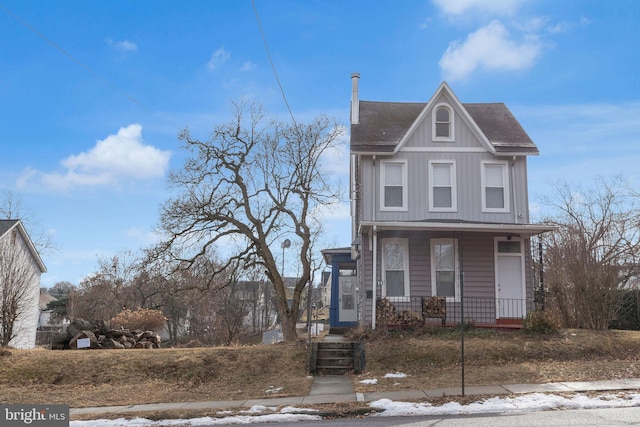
[20, 271]
[439, 206]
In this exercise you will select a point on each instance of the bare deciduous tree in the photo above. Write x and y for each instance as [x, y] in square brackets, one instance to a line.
[18, 288]
[11, 207]
[252, 183]
[593, 253]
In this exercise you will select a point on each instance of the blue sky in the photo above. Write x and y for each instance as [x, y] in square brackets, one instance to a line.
[94, 93]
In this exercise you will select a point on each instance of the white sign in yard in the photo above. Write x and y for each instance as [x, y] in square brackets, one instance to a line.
[84, 343]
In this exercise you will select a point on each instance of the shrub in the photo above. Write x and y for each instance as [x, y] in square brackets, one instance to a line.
[540, 322]
[143, 319]
[628, 313]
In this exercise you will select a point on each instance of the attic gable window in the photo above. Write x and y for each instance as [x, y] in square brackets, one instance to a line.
[442, 123]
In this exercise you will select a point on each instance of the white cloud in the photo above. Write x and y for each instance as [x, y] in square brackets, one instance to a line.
[218, 58]
[489, 48]
[425, 24]
[123, 46]
[460, 7]
[113, 159]
[247, 66]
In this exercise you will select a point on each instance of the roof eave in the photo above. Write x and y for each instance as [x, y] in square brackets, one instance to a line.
[529, 229]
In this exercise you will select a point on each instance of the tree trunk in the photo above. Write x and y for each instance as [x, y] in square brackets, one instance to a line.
[288, 323]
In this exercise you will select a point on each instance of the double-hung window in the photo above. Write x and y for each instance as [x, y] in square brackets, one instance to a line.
[442, 186]
[444, 269]
[495, 187]
[395, 264]
[393, 191]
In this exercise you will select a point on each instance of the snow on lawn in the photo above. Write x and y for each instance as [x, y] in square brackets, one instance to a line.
[522, 403]
[257, 415]
[396, 375]
[527, 402]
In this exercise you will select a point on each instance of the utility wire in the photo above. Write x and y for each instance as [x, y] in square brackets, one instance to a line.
[106, 81]
[266, 46]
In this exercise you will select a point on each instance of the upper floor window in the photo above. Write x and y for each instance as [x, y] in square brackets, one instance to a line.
[443, 123]
[394, 185]
[495, 187]
[442, 186]
[395, 264]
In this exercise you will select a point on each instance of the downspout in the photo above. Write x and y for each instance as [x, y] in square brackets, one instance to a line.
[375, 269]
[513, 189]
[375, 248]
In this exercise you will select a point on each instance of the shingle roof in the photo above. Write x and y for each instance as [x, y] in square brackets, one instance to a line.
[501, 129]
[6, 225]
[383, 124]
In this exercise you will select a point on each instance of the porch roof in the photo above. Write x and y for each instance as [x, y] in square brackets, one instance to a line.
[480, 227]
[328, 254]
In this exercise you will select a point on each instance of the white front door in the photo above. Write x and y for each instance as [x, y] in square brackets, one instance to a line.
[347, 303]
[510, 282]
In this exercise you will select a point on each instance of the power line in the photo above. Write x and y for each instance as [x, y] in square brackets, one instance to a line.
[266, 46]
[67, 54]
[90, 70]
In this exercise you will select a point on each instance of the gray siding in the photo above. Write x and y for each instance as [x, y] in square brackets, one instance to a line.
[477, 261]
[467, 151]
[468, 168]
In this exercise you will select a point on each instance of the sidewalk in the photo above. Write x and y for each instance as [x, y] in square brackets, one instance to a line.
[335, 389]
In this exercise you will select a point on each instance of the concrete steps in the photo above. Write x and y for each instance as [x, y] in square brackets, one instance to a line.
[335, 356]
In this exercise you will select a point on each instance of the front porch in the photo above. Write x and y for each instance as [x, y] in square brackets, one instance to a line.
[436, 311]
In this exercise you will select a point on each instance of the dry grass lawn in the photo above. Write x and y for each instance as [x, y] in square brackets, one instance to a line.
[430, 360]
[500, 358]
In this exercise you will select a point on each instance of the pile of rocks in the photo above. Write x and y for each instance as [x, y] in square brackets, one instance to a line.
[97, 335]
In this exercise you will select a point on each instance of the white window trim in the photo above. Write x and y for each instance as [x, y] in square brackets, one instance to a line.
[405, 258]
[404, 185]
[452, 127]
[505, 182]
[456, 268]
[454, 192]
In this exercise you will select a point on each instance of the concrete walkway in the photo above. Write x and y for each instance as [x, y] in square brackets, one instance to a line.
[335, 389]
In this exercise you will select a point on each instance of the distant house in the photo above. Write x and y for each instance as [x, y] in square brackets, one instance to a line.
[20, 271]
[44, 318]
[439, 209]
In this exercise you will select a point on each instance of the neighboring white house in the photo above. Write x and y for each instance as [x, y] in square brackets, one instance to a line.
[20, 262]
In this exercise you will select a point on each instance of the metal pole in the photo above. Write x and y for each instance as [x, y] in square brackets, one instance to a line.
[462, 326]
[309, 310]
[542, 296]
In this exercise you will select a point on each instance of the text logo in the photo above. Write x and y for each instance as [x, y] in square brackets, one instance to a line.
[34, 415]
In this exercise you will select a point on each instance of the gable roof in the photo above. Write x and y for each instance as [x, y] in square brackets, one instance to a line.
[6, 225]
[383, 126]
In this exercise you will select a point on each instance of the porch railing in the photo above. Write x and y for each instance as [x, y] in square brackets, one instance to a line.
[413, 311]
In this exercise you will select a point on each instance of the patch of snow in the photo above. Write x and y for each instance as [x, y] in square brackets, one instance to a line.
[528, 402]
[396, 375]
[256, 409]
[371, 381]
[203, 421]
[521, 403]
